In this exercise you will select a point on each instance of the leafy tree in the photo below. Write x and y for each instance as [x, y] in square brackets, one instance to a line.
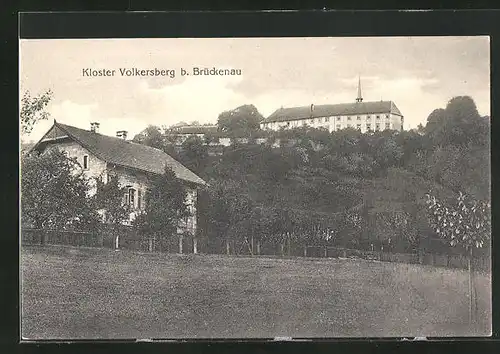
[241, 121]
[466, 224]
[54, 194]
[194, 154]
[108, 202]
[165, 207]
[216, 211]
[458, 124]
[154, 137]
[151, 136]
[108, 199]
[33, 110]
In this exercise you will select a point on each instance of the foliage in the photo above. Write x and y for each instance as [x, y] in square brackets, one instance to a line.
[458, 124]
[108, 200]
[154, 137]
[241, 121]
[467, 223]
[151, 136]
[165, 206]
[194, 154]
[54, 194]
[33, 110]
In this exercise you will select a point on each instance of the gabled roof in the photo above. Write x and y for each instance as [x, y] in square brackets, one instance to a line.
[327, 110]
[125, 153]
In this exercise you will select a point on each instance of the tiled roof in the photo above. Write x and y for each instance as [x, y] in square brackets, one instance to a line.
[327, 110]
[129, 154]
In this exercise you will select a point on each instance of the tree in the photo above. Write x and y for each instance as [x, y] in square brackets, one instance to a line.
[466, 224]
[241, 121]
[194, 154]
[458, 124]
[165, 208]
[108, 202]
[151, 136]
[33, 110]
[54, 192]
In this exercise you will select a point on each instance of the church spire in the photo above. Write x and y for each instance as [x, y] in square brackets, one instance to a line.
[359, 98]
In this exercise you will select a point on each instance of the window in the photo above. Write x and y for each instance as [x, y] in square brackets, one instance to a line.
[139, 199]
[338, 118]
[338, 126]
[386, 116]
[348, 125]
[378, 117]
[368, 126]
[377, 127]
[131, 197]
[327, 119]
[367, 117]
[348, 118]
[85, 162]
[358, 118]
[387, 125]
[358, 126]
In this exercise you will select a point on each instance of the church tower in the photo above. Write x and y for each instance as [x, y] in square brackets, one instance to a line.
[359, 98]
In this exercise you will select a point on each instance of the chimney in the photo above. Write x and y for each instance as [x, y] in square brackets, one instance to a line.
[121, 134]
[94, 127]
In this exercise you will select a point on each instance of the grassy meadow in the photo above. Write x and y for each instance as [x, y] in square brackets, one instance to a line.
[77, 293]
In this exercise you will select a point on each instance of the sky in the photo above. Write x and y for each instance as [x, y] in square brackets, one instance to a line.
[419, 74]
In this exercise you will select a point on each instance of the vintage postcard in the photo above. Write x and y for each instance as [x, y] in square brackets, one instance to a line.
[255, 188]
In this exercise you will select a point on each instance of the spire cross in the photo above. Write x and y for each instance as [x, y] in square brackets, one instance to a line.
[359, 98]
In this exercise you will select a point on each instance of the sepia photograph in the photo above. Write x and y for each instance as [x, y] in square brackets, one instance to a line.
[240, 188]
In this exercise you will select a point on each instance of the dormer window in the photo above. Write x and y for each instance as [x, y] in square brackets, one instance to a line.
[85, 162]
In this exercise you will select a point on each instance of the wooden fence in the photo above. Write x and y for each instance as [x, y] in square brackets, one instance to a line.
[441, 260]
[130, 239]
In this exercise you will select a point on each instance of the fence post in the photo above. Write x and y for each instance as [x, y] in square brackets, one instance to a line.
[305, 251]
[180, 243]
[326, 251]
[195, 245]
[258, 247]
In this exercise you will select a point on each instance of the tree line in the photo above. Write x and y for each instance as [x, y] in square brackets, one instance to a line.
[342, 188]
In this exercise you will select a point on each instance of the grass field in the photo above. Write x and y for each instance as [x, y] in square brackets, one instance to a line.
[98, 293]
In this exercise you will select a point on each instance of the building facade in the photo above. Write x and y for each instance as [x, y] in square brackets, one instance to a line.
[364, 116]
[100, 156]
